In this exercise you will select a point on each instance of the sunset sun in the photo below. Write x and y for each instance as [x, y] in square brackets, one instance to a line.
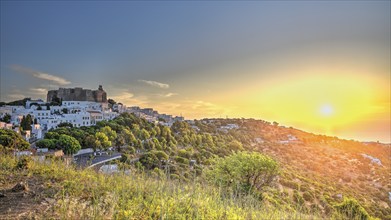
[326, 110]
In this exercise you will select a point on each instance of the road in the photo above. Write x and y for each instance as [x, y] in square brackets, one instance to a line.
[88, 159]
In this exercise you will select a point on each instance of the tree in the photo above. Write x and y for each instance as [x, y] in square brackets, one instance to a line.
[149, 160]
[68, 144]
[144, 134]
[65, 125]
[10, 140]
[52, 135]
[26, 122]
[6, 118]
[89, 141]
[246, 172]
[46, 143]
[128, 135]
[112, 135]
[111, 103]
[102, 141]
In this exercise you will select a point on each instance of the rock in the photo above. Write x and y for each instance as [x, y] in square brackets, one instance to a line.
[20, 187]
[2, 195]
[339, 197]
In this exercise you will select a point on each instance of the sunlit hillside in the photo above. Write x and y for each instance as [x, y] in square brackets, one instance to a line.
[316, 176]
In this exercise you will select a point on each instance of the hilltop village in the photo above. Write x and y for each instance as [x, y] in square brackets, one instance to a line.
[75, 106]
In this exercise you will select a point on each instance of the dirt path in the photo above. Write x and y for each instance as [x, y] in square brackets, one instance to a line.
[29, 200]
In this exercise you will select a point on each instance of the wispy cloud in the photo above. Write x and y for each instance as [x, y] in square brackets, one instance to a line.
[122, 96]
[39, 90]
[155, 84]
[129, 99]
[16, 96]
[41, 75]
[168, 95]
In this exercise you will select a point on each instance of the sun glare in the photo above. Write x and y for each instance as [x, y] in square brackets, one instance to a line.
[326, 110]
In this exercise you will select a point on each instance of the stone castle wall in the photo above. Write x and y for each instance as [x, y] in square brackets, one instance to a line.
[78, 94]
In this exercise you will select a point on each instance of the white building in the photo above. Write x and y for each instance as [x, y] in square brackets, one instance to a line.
[5, 110]
[36, 102]
[36, 130]
[82, 105]
[41, 114]
[4, 125]
[95, 116]
[109, 115]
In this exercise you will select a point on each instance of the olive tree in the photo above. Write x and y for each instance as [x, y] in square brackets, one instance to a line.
[244, 171]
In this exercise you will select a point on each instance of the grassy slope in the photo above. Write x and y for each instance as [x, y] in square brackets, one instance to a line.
[62, 192]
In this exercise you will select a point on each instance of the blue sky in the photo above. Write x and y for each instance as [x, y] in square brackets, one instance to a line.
[184, 57]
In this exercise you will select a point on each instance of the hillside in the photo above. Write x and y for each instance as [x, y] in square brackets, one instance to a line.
[317, 174]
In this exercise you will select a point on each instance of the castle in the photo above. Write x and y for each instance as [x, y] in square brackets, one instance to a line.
[78, 94]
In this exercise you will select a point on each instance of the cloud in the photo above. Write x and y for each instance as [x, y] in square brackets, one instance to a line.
[39, 90]
[41, 75]
[122, 96]
[168, 95]
[16, 96]
[155, 84]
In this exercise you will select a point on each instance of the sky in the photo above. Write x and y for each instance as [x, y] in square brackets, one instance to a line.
[321, 66]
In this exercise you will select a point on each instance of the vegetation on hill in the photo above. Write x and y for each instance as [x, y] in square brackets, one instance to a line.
[251, 170]
[16, 103]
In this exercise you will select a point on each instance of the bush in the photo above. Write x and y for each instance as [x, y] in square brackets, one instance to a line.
[181, 160]
[244, 171]
[351, 209]
[9, 139]
[308, 196]
[149, 160]
[23, 162]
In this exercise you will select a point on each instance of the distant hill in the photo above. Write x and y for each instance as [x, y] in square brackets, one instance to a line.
[16, 103]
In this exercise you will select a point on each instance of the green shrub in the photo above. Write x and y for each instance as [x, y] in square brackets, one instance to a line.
[244, 171]
[351, 209]
[308, 196]
[149, 160]
[181, 160]
[23, 162]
